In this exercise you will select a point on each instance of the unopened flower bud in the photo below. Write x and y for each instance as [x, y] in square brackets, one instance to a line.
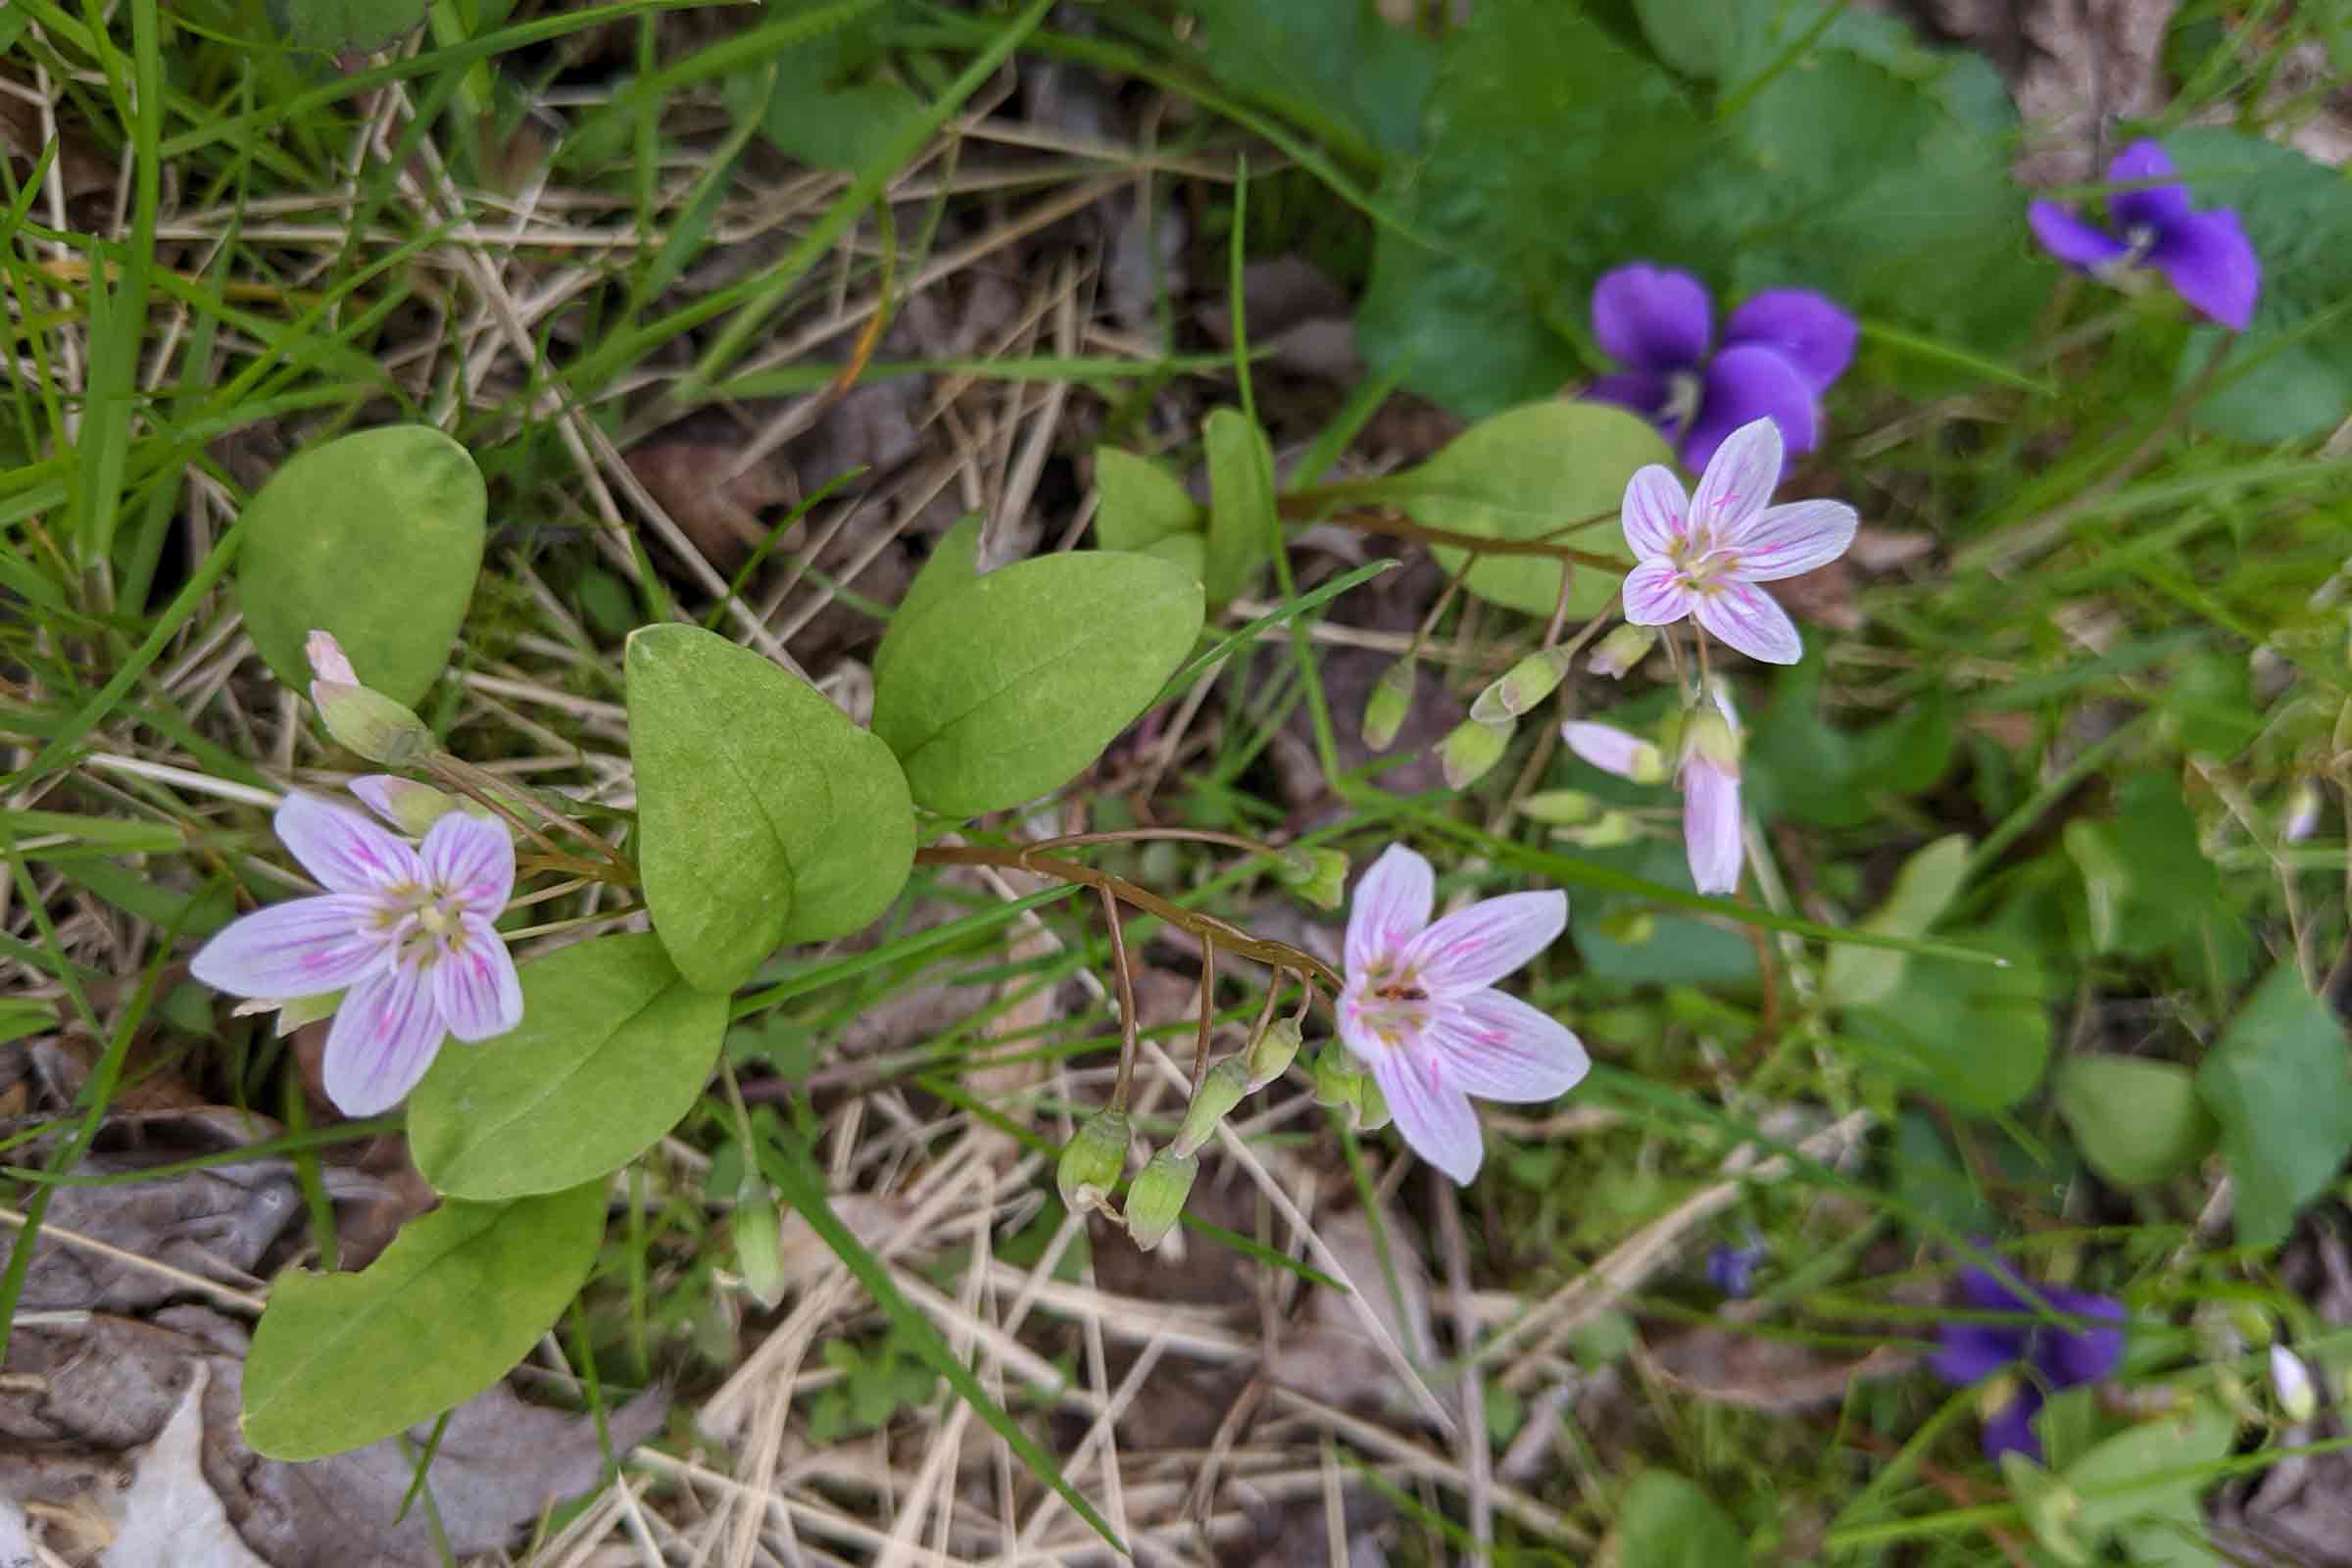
[1272, 1053]
[1470, 750]
[1157, 1200]
[2302, 817]
[1092, 1160]
[327, 659]
[1222, 1089]
[1317, 875]
[1339, 1078]
[1371, 1106]
[1559, 808]
[1522, 687]
[759, 1233]
[1708, 736]
[371, 723]
[2290, 1380]
[414, 806]
[1391, 701]
[1604, 832]
[1621, 650]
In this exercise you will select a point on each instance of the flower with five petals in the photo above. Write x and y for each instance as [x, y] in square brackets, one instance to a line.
[2205, 256]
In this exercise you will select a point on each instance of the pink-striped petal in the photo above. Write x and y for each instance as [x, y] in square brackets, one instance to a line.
[375, 792]
[1783, 540]
[471, 860]
[1711, 826]
[296, 947]
[1478, 945]
[327, 661]
[474, 985]
[1434, 1116]
[1655, 511]
[1751, 620]
[1392, 905]
[343, 850]
[1740, 479]
[383, 1038]
[1654, 595]
[1605, 747]
[1497, 1047]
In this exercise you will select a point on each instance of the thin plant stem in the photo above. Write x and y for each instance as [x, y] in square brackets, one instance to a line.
[1126, 976]
[1209, 1014]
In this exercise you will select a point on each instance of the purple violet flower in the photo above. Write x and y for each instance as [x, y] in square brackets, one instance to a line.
[404, 932]
[2205, 256]
[1733, 1269]
[2058, 1357]
[1420, 1009]
[1781, 352]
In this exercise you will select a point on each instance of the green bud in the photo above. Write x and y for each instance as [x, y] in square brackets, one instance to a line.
[1391, 701]
[1605, 832]
[1092, 1160]
[759, 1234]
[1621, 650]
[371, 723]
[1317, 875]
[300, 1011]
[1707, 734]
[1371, 1107]
[1631, 927]
[1560, 807]
[2290, 1380]
[417, 807]
[1157, 1200]
[1470, 750]
[1222, 1089]
[1339, 1078]
[1272, 1053]
[1522, 687]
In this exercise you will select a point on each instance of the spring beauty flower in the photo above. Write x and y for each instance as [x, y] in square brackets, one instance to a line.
[2055, 1358]
[1421, 1013]
[404, 932]
[1704, 554]
[1706, 771]
[1781, 352]
[2205, 256]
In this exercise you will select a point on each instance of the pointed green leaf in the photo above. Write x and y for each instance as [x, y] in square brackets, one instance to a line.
[764, 815]
[1242, 525]
[1142, 503]
[376, 537]
[339, 24]
[1923, 890]
[2109, 1479]
[1666, 1522]
[1532, 472]
[341, 1360]
[1975, 1037]
[2137, 1122]
[2278, 1086]
[613, 1048]
[1006, 686]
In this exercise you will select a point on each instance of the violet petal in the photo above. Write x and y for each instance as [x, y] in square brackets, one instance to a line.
[2156, 207]
[1744, 384]
[2080, 245]
[2011, 1428]
[1651, 317]
[2211, 264]
[1642, 392]
[1969, 1352]
[1811, 330]
[2070, 1357]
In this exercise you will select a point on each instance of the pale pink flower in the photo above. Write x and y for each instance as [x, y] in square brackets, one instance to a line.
[329, 662]
[1704, 554]
[1706, 771]
[1420, 1009]
[405, 932]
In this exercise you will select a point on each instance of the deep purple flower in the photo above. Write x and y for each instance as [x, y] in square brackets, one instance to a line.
[1781, 352]
[1733, 1269]
[2058, 1357]
[2205, 256]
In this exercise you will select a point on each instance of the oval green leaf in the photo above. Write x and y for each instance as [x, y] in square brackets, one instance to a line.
[1666, 1522]
[614, 1047]
[764, 816]
[342, 1360]
[1142, 504]
[1530, 472]
[1923, 890]
[376, 537]
[1242, 524]
[2137, 1122]
[1006, 687]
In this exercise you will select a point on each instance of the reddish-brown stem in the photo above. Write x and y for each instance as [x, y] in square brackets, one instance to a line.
[1208, 1012]
[1127, 1027]
[1402, 527]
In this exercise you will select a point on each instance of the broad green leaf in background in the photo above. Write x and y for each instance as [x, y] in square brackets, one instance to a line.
[340, 25]
[1798, 765]
[1532, 472]
[376, 537]
[1242, 527]
[1973, 1036]
[817, 113]
[460, 1296]
[1336, 66]
[2137, 1122]
[2299, 215]
[1923, 890]
[2199, 1434]
[612, 1050]
[2049, 1506]
[764, 815]
[1666, 1522]
[1005, 687]
[2278, 1085]
[2147, 882]
[1144, 508]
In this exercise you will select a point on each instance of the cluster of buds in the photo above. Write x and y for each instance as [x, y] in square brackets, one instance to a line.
[1096, 1156]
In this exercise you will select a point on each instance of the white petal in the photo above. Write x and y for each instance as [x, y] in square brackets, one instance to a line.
[472, 859]
[1434, 1116]
[383, 1038]
[1653, 594]
[1751, 620]
[474, 985]
[1711, 826]
[1478, 945]
[1656, 511]
[343, 850]
[1392, 905]
[1739, 480]
[1606, 747]
[1783, 540]
[1497, 1047]
[295, 948]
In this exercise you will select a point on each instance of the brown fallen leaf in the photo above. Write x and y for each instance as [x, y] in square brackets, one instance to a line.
[1724, 1366]
[169, 1517]
[695, 483]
